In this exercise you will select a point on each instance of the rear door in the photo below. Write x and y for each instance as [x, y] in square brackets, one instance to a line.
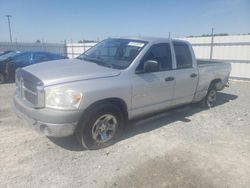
[186, 73]
[154, 90]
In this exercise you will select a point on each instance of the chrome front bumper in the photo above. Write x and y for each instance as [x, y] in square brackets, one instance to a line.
[57, 128]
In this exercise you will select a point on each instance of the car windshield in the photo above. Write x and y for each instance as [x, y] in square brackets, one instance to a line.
[8, 55]
[114, 53]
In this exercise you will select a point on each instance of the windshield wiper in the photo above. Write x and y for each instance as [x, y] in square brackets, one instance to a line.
[98, 61]
[102, 63]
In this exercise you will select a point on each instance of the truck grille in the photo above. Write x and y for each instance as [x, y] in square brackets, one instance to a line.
[29, 88]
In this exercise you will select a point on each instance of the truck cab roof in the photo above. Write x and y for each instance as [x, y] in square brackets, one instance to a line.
[150, 39]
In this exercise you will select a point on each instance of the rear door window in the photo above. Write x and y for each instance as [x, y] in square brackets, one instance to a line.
[183, 55]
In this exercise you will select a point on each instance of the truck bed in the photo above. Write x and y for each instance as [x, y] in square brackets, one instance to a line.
[201, 62]
[210, 70]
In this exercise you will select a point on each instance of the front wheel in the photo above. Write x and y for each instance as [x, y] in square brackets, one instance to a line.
[100, 127]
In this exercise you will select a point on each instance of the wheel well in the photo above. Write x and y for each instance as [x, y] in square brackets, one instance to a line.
[214, 82]
[115, 101]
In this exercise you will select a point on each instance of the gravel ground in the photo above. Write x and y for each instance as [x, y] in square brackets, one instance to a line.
[185, 147]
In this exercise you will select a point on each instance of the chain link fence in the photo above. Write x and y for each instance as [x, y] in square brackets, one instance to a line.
[234, 49]
[48, 47]
[76, 49]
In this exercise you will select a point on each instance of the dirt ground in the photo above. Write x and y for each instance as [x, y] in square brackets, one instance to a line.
[185, 147]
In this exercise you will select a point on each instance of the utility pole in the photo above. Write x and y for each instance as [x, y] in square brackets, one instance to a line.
[212, 44]
[72, 48]
[8, 17]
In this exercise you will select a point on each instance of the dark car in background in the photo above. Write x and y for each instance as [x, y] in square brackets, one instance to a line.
[5, 56]
[13, 60]
[5, 52]
[3, 60]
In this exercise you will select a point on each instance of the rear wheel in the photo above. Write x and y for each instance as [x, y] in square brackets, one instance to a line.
[100, 127]
[2, 78]
[210, 99]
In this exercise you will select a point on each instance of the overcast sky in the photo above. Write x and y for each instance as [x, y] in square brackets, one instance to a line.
[59, 20]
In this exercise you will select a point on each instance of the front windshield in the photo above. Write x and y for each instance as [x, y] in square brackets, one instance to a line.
[114, 53]
[8, 55]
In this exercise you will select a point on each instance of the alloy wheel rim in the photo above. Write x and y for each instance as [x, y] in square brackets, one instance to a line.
[211, 98]
[104, 128]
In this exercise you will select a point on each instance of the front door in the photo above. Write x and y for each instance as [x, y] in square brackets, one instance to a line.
[154, 90]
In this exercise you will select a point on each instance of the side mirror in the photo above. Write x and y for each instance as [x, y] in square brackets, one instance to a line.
[151, 66]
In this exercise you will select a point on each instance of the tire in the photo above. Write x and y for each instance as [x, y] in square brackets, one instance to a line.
[2, 78]
[210, 99]
[100, 127]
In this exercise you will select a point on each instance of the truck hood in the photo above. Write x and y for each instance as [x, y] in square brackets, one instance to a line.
[69, 70]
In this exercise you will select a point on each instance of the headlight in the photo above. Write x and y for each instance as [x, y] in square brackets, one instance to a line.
[62, 99]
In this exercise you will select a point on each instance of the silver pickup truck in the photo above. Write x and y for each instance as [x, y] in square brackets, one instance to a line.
[119, 79]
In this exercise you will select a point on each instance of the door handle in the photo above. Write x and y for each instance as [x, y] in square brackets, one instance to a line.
[193, 75]
[169, 79]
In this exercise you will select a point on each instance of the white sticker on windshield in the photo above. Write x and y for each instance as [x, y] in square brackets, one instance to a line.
[137, 44]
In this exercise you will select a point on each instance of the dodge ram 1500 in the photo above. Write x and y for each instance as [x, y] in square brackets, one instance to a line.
[118, 79]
